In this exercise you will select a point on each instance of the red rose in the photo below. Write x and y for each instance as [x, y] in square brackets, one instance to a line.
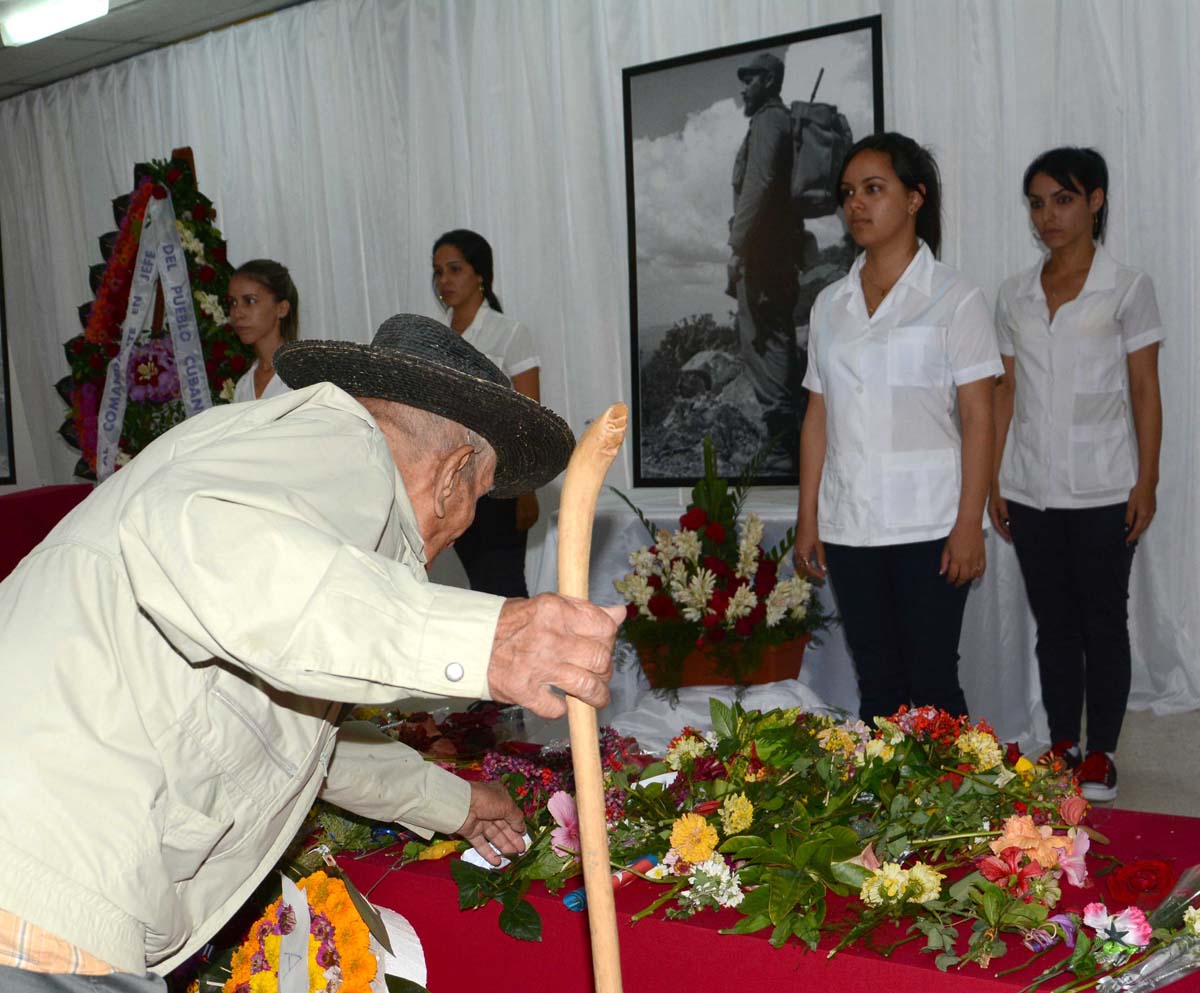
[199, 212]
[218, 253]
[707, 807]
[743, 627]
[211, 367]
[631, 611]
[757, 613]
[174, 175]
[710, 620]
[1141, 883]
[1012, 753]
[237, 363]
[764, 582]
[715, 532]
[207, 274]
[654, 582]
[662, 607]
[159, 192]
[694, 519]
[718, 602]
[218, 350]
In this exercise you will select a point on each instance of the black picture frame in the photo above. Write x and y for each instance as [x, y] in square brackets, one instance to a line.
[8, 462]
[684, 125]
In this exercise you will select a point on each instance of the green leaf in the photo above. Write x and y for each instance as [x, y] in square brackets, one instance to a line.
[395, 984]
[785, 886]
[518, 919]
[738, 844]
[945, 960]
[723, 720]
[748, 925]
[756, 901]
[783, 931]
[850, 873]
[473, 884]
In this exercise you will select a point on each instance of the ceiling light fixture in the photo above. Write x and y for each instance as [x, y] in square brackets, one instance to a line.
[23, 21]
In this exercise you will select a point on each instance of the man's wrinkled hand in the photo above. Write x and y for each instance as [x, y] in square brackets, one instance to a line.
[493, 820]
[552, 640]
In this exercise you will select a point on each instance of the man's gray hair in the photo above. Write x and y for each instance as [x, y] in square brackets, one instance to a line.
[423, 431]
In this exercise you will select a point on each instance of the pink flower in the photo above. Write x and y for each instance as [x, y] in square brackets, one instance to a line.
[1129, 927]
[1072, 861]
[564, 839]
[1073, 809]
[867, 858]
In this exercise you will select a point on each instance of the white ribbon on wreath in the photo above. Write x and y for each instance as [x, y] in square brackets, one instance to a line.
[160, 255]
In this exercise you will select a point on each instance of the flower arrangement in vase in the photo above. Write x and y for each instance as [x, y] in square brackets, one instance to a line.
[710, 594]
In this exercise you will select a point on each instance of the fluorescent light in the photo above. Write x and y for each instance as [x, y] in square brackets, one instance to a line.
[28, 20]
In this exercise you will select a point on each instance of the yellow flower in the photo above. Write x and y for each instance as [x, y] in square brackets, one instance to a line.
[693, 838]
[981, 748]
[1024, 768]
[927, 882]
[439, 850]
[271, 950]
[736, 813]
[264, 982]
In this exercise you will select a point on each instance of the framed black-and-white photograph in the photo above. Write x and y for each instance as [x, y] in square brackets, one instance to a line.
[8, 470]
[731, 163]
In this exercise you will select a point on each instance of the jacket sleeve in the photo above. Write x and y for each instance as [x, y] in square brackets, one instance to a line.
[373, 776]
[769, 130]
[258, 550]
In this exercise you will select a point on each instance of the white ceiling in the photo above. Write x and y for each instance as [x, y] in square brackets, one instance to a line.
[129, 28]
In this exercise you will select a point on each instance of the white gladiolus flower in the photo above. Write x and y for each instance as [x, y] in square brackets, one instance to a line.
[687, 545]
[740, 604]
[642, 561]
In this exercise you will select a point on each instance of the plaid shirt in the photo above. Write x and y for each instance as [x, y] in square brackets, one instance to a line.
[26, 946]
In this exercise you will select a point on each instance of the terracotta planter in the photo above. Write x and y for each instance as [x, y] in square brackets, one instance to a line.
[699, 665]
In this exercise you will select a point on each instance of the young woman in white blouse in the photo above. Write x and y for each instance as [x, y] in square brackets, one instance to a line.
[1078, 426]
[492, 550]
[896, 445]
[264, 309]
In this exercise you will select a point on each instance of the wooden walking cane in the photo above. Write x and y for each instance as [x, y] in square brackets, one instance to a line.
[585, 474]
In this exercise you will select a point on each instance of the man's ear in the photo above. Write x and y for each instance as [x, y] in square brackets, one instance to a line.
[448, 475]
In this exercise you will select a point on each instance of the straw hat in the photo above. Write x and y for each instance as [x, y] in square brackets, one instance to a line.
[416, 361]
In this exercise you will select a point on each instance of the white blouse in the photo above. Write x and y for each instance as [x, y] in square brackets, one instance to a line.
[1072, 442]
[244, 389]
[504, 341]
[893, 454]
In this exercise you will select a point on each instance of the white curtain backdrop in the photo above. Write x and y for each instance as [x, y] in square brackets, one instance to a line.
[342, 136]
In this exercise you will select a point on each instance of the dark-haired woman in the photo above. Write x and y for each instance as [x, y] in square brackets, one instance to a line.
[1078, 427]
[264, 309]
[896, 445]
[492, 550]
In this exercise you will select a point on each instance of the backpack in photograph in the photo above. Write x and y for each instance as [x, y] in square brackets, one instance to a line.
[820, 138]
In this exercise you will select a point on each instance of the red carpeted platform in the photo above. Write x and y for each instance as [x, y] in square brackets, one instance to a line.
[468, 951]
[27, 516]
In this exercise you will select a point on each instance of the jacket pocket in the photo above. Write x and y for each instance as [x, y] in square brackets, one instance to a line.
[1101, 458]
[1100, 366]
[921, 489]
[188, 838]
[916, 356]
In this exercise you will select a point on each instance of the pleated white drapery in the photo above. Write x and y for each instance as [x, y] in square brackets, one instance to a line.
[342, 136]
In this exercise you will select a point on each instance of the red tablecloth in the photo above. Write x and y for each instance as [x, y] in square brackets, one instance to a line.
[468, 951]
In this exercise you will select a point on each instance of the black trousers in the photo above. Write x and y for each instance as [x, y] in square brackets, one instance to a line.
[492, 550]
[1076, 567]
[902, 621]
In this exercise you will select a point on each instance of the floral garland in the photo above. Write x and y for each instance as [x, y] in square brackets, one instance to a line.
[339, 944]
[154, 396]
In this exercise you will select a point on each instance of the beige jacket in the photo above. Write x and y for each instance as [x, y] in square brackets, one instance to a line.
[173, 659]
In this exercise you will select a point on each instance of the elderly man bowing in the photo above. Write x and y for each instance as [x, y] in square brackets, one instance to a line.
[176, 655]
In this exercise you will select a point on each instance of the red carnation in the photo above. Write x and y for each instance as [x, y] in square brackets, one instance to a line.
[662, 607]
[719, 602]
[716, 532]
[757, 613]
[743, 627]
[218, 253]
[767, 567]
[654, 582]
[764, 582]
[710, 620]
[207, 274]
[718, 567]
[159, 192]
[237, 363]
[631, 611]
[199, 212]
[694, 519]
[174, 175]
